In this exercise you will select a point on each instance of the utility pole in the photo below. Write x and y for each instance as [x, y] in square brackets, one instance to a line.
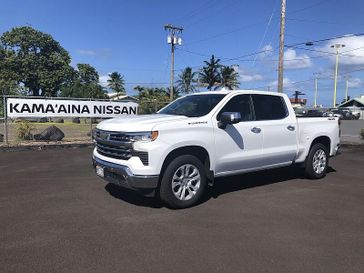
[173, 40]
[281, 46]
[316, 87]
[337, 47]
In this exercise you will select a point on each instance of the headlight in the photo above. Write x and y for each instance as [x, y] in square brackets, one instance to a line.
[143, 136]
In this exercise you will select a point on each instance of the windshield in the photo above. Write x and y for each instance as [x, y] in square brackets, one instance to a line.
[193, 106]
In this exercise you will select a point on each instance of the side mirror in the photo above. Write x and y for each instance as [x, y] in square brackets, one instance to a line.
[228, 118]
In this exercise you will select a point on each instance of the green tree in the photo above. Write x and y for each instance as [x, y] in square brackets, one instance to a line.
[209, 75]
[176, 92]
[8, 79]
[36, 60]
[87, 74]
[151, 99]
[229, 78]
[83, 83]
[116, 83]
[186, 81]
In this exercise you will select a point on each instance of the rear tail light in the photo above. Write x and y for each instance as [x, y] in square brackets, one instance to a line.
[339, 123]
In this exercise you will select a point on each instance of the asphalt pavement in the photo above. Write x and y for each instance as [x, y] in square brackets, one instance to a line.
[57, 216]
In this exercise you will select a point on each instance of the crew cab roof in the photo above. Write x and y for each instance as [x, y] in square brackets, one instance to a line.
[246, 91]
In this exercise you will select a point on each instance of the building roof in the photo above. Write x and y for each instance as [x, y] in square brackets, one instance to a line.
[356, 102]
[116, 96]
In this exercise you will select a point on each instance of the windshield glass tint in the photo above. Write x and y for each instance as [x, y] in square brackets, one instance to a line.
[193, 106]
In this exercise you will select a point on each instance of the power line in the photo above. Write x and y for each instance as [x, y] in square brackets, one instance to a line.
[206, 5]
[309, 7]
[327, 39]
[225, 33]
[266, 28]
[321, 22]
[333, 53]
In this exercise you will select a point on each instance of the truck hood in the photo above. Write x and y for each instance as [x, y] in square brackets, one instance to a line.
[142, 123]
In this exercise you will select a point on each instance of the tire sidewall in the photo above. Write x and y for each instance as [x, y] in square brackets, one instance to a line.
[309, 164]
[165, 191]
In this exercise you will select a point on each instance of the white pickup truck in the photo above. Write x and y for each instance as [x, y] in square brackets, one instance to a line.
[178, 151]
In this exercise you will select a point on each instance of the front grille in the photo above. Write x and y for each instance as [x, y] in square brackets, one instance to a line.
[118, 146]
[112, 136]
[118, 152]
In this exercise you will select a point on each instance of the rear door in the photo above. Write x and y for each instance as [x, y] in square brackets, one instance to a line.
[238, 147]
[278, 127]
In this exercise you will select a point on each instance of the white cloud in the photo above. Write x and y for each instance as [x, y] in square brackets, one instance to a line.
[103, 52]
[86, 52]
[248, 76]
[354, 82]
[350, 55]
[294, 61]
[287, 84]
[251, 78]
[266, 52]
[103, 80]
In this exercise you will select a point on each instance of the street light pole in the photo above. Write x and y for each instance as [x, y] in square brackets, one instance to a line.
[315, 100]
[346, 88]
[337, 47]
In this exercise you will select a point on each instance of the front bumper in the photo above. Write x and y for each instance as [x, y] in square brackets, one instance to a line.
[122, 176]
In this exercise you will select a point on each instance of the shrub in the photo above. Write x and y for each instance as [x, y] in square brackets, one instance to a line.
[24, 130]
[362, 133]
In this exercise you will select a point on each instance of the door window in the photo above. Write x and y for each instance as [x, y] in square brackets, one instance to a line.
[241, 104]
[268, 107]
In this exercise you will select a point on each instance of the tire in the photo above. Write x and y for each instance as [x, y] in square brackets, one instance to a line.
[183, 182]
[317, 161]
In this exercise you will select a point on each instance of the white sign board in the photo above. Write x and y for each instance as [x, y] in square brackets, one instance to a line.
[68, 108]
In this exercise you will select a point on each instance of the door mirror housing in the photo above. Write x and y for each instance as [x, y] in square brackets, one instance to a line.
[228, 118]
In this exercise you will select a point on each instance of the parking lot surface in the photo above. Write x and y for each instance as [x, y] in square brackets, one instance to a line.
[57, 216]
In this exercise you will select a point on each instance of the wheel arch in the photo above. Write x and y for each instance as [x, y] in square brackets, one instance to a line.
[198, 151]
[324, 140]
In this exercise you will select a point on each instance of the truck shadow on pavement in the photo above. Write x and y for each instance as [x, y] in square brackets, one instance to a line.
[221, 186]
[256, 179]
[133, 197]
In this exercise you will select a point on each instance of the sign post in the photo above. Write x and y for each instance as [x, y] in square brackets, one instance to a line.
[5, 121]
[91, 127]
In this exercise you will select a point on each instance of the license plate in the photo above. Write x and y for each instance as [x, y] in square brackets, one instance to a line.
[100, 171]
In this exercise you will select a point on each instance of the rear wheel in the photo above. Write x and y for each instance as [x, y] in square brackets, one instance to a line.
[317, 161]
[183, 182]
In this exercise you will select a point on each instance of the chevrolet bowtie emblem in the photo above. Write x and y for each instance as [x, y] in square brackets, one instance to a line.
[104, 136]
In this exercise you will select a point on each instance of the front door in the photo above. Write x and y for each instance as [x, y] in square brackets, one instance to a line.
[238, 147]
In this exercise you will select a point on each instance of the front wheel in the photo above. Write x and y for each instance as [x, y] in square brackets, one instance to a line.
[317, 161]
[183, 182]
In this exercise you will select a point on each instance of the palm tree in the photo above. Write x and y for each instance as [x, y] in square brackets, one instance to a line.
[229, 78]
[186, 80]
[209, 75]
[151, 99]
[176, 92]
[116, 83]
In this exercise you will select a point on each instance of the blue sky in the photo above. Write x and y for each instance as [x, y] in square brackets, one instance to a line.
[128, 37]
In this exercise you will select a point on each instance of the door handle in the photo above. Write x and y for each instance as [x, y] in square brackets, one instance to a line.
[290, 127]
[256, 130]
